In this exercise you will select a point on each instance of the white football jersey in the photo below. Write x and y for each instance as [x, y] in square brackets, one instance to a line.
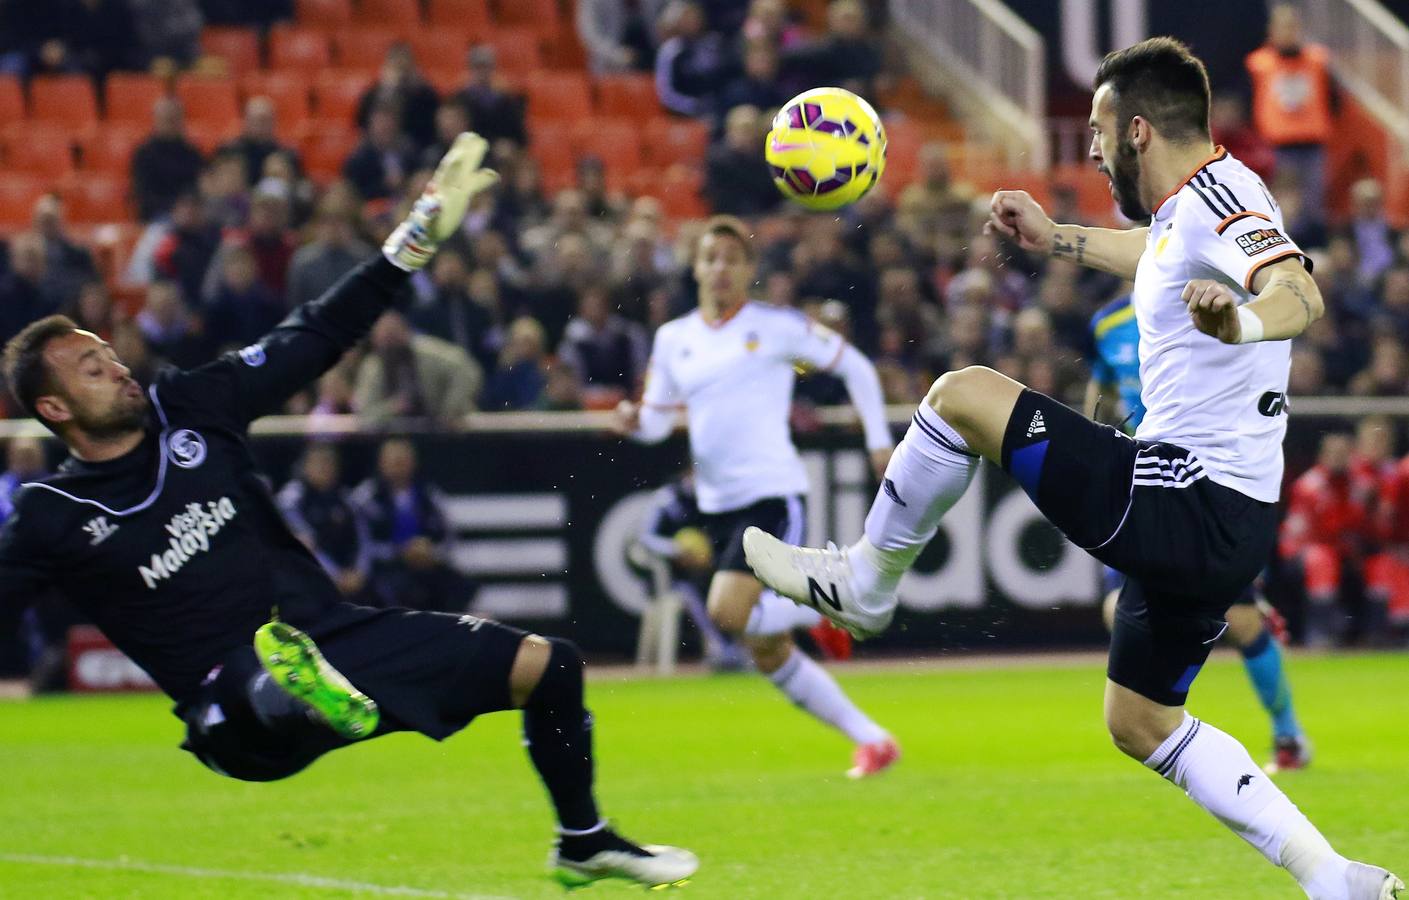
[1224, 402]
[735, 381]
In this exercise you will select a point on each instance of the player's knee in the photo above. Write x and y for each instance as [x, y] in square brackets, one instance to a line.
[729, 615]
[954, 394]
[1108, 609]
[1245, 624]
[560, 678]
[769, 653]
[1136, 734]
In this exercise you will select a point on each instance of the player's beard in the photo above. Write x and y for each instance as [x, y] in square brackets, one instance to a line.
[1125, 181]
[128, 414]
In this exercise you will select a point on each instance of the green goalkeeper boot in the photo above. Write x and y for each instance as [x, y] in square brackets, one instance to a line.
[294, 662]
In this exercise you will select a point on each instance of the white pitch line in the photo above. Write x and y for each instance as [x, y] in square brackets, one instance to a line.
[292, 878]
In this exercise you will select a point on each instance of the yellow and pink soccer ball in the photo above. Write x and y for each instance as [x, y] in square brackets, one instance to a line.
[826, 149]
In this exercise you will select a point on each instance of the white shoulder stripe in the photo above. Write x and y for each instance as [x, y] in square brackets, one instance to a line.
[161, 471]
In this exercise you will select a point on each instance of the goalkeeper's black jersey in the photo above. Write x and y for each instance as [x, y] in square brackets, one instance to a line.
[176, 550]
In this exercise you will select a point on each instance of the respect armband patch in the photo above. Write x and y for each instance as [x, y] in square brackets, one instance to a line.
[1261, 240]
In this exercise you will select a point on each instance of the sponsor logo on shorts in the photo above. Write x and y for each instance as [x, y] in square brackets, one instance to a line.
[186, 448]
[1037, 426]
[1255, 242]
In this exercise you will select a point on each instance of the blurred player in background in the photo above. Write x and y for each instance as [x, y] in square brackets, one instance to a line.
[1187, 509]
[1253, 624]
[161, 529]
[730, 366]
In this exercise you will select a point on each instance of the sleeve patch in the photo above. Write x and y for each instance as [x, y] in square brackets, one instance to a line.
[253, 356]
[1263, 239]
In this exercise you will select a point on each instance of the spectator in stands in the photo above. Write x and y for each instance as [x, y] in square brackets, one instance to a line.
[169, 32]
[1387, 374]
[1228, 122]
[24, 462]
[520, 204]
[249, 13]
[693, 64]
[1375, 241]
[25, 294]
[518, 381]
[1059, 295]
[409, 375]
[602, 205]
[101, 36]
[67, 263]
[1308, 376]
[737, 179]
[403, 88]
[563, 390]
[257, 138]
[451, 118]
[769, 23]
[1060, 369]
[1293, 105]
[186, 248]
[454, 314]
[267, 236]
[93, 309]
[384, 159]
[847, 56]
[552, 296]
[758, 86]
[607, 352]
[1009, 289]
[225, 185]
[410, 532]
[1321, 534]
[243, 308]
[335, 249]
[970, 336]
[166, 164]
[639, 267]
[171, 330]
[320, 512]
[569, 217]
[495, 112]
[616, 33]
[918, 324]
[826, 268]
[940, 205]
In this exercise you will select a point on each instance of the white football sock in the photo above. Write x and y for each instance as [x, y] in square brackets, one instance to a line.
[928, 473]
[779, 615]
[1218, 774]
[812, 688]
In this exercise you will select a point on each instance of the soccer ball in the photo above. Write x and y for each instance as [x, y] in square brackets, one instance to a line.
[827, 148]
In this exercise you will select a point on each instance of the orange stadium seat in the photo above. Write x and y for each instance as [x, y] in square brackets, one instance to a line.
[558, 95]
[550, 145]
[324, 152]
[323, 14]
[208, 99]
[670, 141]
[336, 94]
[446, 81]
[209, 135]
[129, 97]
[42, 149]
[679, 194]
[298, 49]
[18, 193]
[65, 100]
[363, 49]
[11, 99]
[289, 93]
[400, 14]
[468, 17]
[109, 149]
[516, 50]
[238, 47]
[96, 198]
[627, 97]
[616, 142]
[444, 50]
[542, 16]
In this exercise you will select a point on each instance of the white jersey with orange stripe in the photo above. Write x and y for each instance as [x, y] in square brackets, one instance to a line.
[734, 378]
[1224, 402]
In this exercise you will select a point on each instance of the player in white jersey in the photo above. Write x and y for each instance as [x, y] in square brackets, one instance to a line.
[730, 366]
[1185, 508]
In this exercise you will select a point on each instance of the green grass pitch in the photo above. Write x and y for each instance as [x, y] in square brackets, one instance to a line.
[1008, 788]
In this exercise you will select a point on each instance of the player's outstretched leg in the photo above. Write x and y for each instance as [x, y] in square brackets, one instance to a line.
[963, 417]
[441, 208]
[295, 664]
[1248, 627]
[546, 680]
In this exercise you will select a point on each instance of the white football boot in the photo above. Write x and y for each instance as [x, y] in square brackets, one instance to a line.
[821, 579]
[660, 867]
[1371, 883]
[440, 209]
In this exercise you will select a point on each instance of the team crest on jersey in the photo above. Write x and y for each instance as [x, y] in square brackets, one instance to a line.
[1255, 242]
[751, 341]
[253, 356]
[186, 448]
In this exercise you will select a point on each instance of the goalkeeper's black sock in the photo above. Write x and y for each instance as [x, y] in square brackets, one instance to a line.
[558, 730]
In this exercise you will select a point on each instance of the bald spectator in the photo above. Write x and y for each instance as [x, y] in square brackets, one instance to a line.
[67, 263]
[409, 375]
[257, 139]
[385, 158]
[496, 113]
[401, 86]
[737, 178]
[166, 164]
[24, 292]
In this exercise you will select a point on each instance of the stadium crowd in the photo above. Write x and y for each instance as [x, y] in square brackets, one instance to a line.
[549, 299]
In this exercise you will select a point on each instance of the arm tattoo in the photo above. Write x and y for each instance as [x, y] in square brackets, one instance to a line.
[1068, 248]
[1300, 295]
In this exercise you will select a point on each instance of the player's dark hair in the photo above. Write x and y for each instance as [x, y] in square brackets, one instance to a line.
[25, 370]
[1160, 80]
[733, 227]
